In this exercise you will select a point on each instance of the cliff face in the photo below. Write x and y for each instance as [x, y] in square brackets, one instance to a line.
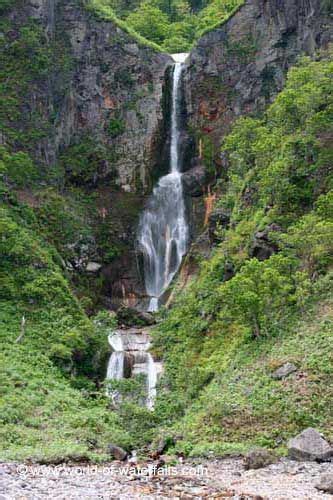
[98, 83]
[238, 68]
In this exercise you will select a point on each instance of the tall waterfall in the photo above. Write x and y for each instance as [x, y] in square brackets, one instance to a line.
[163, 231]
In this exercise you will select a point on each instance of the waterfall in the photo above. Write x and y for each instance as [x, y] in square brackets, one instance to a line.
[163, 231]
[115, 370]
[151, 381]
[130, 357]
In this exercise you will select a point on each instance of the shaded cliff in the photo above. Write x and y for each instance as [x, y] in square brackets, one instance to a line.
[238, 68]
[83, 84]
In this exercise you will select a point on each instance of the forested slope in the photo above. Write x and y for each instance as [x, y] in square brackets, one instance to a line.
[265, 296]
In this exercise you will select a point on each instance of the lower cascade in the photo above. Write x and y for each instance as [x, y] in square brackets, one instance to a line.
[162, 241]
[130, 357]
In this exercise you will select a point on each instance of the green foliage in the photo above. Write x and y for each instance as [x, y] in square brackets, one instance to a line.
[150, 22]
[17, 169]
[85, 161]
[225, 335]
[116, 127]
[5, 5]
[103, 10]
[172, 25]
[26, 64]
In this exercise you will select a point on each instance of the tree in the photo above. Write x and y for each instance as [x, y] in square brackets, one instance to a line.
[150, 22]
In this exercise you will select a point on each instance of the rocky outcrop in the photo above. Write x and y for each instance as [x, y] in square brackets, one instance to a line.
[310, 445]
[219, 219]
[239, 67]
[263, 245]
[102, 92]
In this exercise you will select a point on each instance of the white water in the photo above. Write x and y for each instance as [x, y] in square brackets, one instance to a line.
[136, 344]
[152, 381]
[163, 231]
[115, 370]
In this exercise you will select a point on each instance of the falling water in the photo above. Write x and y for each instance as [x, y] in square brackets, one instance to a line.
[163, 231]
[151, 380]
[135, 343]
[115, 369]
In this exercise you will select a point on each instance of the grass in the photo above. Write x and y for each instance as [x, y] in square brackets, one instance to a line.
[244, 406]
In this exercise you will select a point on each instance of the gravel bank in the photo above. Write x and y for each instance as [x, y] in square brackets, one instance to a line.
[220, 479]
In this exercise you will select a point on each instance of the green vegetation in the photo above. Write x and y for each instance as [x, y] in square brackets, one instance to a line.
[27, 59]
[116, 127]
[224, 337]
[226, 334]
[172, 26]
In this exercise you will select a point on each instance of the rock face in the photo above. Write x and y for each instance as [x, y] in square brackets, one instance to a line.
[103, 86]
[310, 445]
[218, 219]
[239, 67]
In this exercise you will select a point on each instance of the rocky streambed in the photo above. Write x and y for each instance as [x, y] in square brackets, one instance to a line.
[220, 479]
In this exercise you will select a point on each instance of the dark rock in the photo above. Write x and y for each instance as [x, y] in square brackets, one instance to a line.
[107, 67]
[220, 85]
[263, 247]
[326, 483]
[117, 452]
[309, 445]
[128, 316]
[259, 458]
[284, 371]
[229, 271]
[219, 218]
[194, 180]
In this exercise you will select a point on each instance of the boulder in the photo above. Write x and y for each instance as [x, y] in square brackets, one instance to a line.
[259, 458]
[309, 445]
[284, 371]
[326, 483]
[116, 452]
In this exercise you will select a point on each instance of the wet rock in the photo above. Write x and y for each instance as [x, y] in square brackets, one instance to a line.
[284, 371]
[259, 458]
[117, 452]
[219, 218]
[326, 483]
[309, 445]
[194, 180]
[128, 316]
